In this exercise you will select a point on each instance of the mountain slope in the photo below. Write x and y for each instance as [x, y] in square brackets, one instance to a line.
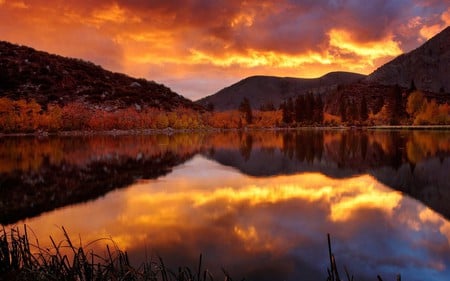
[262, 90]
[29, 74]
[428, 66]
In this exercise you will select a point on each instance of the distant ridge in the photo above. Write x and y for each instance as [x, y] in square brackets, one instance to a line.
[29, 74]
[428, 66]
[263, 90]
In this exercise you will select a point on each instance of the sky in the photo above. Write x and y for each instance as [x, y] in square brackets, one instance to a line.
[197, 47]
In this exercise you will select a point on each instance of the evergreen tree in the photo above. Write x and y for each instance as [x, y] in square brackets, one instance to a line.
[288, 111]
[397, 110]
[363, 112]
[284, 112]
[412, 87]
[299, 109]
[210, 107]
[268, 106]
[246, 109]
[318, 110]
[343, 109]
[309, 108]
[353, 111]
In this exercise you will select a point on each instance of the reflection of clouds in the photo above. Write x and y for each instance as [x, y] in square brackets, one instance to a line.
[436, 221]
[245, 223]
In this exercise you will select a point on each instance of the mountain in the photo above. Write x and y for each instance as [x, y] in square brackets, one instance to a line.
[265, 90]
[29, 74]
[428, 66]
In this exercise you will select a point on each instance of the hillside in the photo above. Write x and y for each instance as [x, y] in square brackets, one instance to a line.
[264, 90]
[29, 74]
[428, 66]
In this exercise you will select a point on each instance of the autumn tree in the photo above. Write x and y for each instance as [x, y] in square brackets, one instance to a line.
[6, 115]
[414, 103]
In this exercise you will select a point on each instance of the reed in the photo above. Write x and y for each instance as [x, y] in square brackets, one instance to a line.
[333, 273]
[22, 260]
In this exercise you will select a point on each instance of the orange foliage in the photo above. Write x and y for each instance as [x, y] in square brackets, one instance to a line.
[433, 114]
[380, 118]
[267, 119]
[28, 116]
[330, 119]
[415, 103]
[225, 119]
[423, 144]
[19, 116]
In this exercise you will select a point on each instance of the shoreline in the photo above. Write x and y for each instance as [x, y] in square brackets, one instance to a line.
[169, 131]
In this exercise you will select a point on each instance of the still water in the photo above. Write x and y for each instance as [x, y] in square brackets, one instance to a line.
[258, 204]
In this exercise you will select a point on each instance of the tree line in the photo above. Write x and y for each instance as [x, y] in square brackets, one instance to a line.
[25, 116]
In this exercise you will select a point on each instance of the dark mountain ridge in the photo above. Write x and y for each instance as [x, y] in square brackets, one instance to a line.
[29, 74]
[428, 66]
[265, 90]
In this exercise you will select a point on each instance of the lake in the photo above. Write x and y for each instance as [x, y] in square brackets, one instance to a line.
[258, 204]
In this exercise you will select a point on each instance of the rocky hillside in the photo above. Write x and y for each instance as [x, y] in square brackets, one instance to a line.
[266, 90]
[428, 66]
[29, 74]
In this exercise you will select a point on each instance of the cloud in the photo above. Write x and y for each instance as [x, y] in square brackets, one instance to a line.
[428, 31]
[213, 39]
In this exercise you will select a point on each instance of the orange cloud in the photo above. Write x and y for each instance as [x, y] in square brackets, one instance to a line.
[17, 4]
[189, 43]
[428, 31]
[367, 52]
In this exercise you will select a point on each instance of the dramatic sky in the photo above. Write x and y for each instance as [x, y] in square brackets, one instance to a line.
[196, 47]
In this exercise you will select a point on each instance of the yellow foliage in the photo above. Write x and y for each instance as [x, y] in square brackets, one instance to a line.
[381, 118]
[433, 114]
[415, 103]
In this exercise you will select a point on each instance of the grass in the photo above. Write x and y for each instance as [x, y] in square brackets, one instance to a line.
[333, 273]
[22, 260]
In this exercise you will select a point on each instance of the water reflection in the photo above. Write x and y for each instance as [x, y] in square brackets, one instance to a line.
[416, 163]
[38, 175]
[267, 228]
[259, 203]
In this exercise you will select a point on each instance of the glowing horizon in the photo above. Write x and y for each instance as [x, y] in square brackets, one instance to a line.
[197, 47]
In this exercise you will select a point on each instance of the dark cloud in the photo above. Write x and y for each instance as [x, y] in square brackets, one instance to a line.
[231, 38]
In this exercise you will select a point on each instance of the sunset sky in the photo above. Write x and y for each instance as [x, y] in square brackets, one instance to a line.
[197, 47]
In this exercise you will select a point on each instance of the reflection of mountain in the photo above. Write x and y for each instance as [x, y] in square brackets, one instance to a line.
[416, 163]
[39, 176]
